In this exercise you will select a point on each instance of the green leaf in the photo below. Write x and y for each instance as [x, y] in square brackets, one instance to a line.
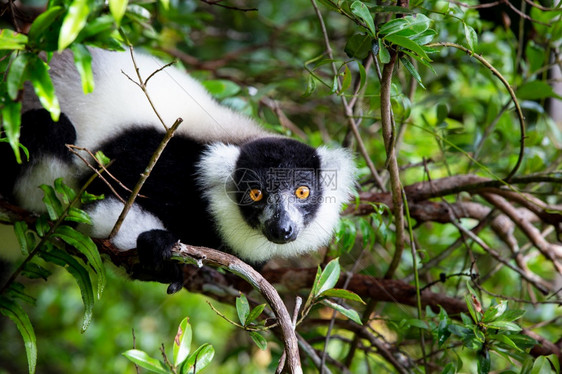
[16, 75]
[362, 74]
[359, 46]
[43, 22]
[555, 362]
[541, 366]
[103, 159]
[342, 294]
[78, 215]
[117, 9]
[423, 37]
[97, 28]
[484, 362]
[471, 37]
[221, 88]
[449, 369]
[346, 234]
[242, 308]
[258, 338]
[349, 313]
[66, 192]
[328, 278]
[35, 271]
[165, 4]
[143, 360]
[460, 331]
[393, 26]
[506, 340]
[83, 62]
[73, 22]
[523, 341]
[16, 291]
[384, 55]
[52, 202]
[20, 230]
[11, 121]
[201, 358]
[42, 226]
[420, 324]
[310, 85]
[503, 325]
[43, 86]
[87, 198]
[442, 113]
[255, 313]
[444, 328]
[494, 312]
[362, 12]
[10, 39]
[80, 274]
[536, 90]
[347, 76]
[14, 312]
[87, 247]
[334, 84]
[182, 342]
[536, 56]
[410, 67]
[470, 305]
[408, 44]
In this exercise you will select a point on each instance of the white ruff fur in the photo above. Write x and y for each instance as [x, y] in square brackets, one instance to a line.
[118, 104]
[216, 168]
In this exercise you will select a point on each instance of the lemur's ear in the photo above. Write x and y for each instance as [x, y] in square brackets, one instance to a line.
[217, 164]
[337, 174]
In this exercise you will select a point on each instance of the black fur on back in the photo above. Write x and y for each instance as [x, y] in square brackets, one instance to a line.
[171, 192]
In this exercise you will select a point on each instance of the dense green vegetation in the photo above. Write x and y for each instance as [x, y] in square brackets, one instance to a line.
[454, 113]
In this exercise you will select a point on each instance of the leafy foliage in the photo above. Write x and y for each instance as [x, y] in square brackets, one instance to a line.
[183, 362]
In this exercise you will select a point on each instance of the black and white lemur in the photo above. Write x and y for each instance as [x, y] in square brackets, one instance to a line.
[222, 182]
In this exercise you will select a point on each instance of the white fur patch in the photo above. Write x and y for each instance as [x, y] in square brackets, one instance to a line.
[43, 171]
[117, 104]
[250, 244]
[105, 213]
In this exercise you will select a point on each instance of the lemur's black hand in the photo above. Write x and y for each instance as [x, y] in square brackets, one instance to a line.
[155, 249]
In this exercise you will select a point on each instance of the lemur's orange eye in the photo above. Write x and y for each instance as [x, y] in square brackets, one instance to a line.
[302, 192]
[255, 194]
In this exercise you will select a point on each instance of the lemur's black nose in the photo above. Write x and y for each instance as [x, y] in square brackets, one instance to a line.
[281, 229]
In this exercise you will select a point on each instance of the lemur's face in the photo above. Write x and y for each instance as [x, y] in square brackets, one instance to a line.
[275, 197]
[277, 187]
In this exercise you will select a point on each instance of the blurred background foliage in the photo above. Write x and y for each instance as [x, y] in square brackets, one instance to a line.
[267, 59]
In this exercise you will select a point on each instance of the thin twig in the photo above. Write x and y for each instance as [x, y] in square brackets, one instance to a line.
[519, 111]
[155, 156]
[144, 176]
[103, 168]
[347, 108]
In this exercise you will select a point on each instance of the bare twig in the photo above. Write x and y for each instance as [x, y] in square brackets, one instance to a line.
[218, 3]
[347, 108]
[155, 156]
[484, 62]
[73, 148]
